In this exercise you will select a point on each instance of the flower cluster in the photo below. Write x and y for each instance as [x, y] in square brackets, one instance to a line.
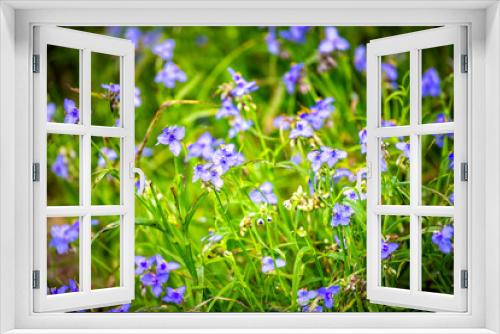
[113, 94]
[71, 287]
[269, 264]
[72, 115]
[293, 77]
[311, 300]
[170, 73]
[387, 248]
[264, 194]
[341, 215]
[204, 147]
[63, 235]
[325, 155]
[333, 41]
[106, 155]
[431, 83]
[444, 239]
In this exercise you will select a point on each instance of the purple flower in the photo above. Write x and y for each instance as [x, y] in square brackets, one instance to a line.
[106, 154]
[209, 173]
[203, 147]
[51, 110]
[121, 309]
[62, 236]
[332, 41]
[441, 118]
[72, 287]
[331, 156]
[201, 40]
[165, 50]
[341, 215]
[239, 124]
[151, 37]
[111, 88]
[353, 196]
[301, 129]
[327, 294]
[282, 122]
[360, 58]
[155, 281]
[296, 34]
[451, 158]
[175, 296]
[315, 158]
[296, 159]
[387, 249]
[273, 45]
[227, 156]
[133, 34]
[170, 74]
[228, 109]
[385, 123]
[444, 239]
[72, 113]
[341, 173]
[304, 296]
[60, 167]
[452, 198]
[292, 77]
[390, 71]
[172, 136]
[405, 148]
[212, 238]
[137, 97]
[163, 266]
[114, 93]
[319, 113]
[431, 83]
[142, 264]
[242, 86]
[363, 136]
[268, 264]
[264, 194]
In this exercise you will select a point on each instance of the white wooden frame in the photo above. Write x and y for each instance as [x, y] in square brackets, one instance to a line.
[85, 44]
[484, 20]
[413, 44]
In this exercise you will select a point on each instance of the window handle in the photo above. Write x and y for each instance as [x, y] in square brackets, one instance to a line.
[142, 179]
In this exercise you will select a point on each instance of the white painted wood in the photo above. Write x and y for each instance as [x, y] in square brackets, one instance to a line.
[414, 43]
[86, 297]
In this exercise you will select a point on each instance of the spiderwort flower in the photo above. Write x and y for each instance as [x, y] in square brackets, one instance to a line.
[155, 281]
[264, 194]
[243, 87]
[203, 147]
[134, 35]
[295, 34]
[360, 58]
[239, 124]
[319, 113]
[315, 158]
[106, 154]
[121, 309]
[228, 109]
[72, 287]
[327, 293]
[211, 238]
[51, 110]
[331, 156]
[387, 249]
[296, 159]
[390, 71]
[282, 122]
[170, 74]
[172, 136]
[60, 167]
[353, 196]
[209, 173]
[444, 239]
[431, 83]
[452, 198]
[301, 129]
[341, 215]
[114, 93]
[62, 236]
[341, 173]
[304, 296]
[363, 136]
[292, 77]
[405, 148]
[273, 45]
[268, 264]
[165, 50]
[151, 37]
[226, 157]
[451, 158]
[142, 264]
[175, 296]
[332, 41]
[72, 113]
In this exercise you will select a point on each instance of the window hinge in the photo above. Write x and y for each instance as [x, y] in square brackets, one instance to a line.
[36, 279]
[464, 171]
[464, 279]
[36, 172]
[465, 64]
[36, 63]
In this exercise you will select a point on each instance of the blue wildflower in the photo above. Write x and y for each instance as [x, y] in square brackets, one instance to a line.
[452, 198]
[156, 279]
[134, 35]
[212, 238]
[301, 129]
[72, 115]
[327, 295]
[142, 264]
[204, 147]
[172, 136]
[228, 109]
[353, 196]
[175, 296]
[227, 156]
[170, 74]
[331, 156]
[343, 173]
[296, 34]
[293, 77]
[62, 236]
[385, 123]
[360, 58]
[273, 45]
[201, 40]
[441, 118]
[431, 83]
[387, 249]
[319, 113]
[264, 194]
[243, 87]
[315, 158]
[165, 50]
[121, 309]
[311, 308]
[60, 167]
[341, 215]
[151, 37]
[296, 159]
[51, 110]
[114, 93]
[268, 264]
[209, 173]
[405, 148]
[363, 137]
[390, 71]
[444, 239]
[105, 155]
[71, 287]
[282, 122]
[239, 124]
[332, 41]
[451, 158]
[304, 296]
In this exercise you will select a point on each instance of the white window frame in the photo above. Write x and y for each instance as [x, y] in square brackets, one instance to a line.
[413, 44]
[85, 44]
[17, 19]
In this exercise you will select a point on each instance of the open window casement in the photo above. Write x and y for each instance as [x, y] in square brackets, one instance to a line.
[421, 121]
[67, 229]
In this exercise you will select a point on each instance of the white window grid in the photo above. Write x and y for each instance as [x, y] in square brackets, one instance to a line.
[86, 43]
[413, 44]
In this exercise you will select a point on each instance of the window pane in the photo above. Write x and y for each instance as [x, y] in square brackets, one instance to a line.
[105, 252]
[437, 84]
[395, 89]
[62, 255]
[437, 169]
[105, 87]
[395, 251]
[63, 163]
[437, 254]
[395, 171]
[105, 171]
[63, 72]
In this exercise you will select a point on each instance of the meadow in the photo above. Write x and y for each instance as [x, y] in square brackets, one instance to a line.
[252, 140]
